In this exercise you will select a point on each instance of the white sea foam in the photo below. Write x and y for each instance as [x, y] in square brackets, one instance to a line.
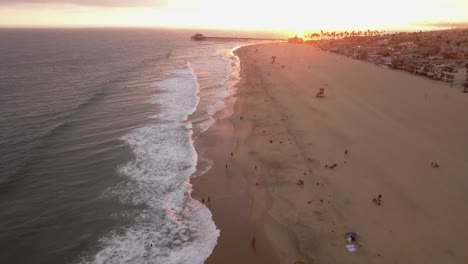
[203, 166]
[205, 124]
[173, 227]
[218, 70]
[178, 95]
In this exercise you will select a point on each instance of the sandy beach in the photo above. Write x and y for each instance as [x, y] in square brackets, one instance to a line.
[392, 124]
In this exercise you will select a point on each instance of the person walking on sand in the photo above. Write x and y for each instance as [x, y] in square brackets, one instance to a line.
[321, 93]
[253, 243]
[273, 59]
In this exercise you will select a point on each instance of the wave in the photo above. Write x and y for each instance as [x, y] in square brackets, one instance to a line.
[173, 227]
[221, 86]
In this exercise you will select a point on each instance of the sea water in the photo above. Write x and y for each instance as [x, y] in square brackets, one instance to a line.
[96, 133]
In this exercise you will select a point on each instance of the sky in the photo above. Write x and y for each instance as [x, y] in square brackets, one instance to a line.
[296, 15]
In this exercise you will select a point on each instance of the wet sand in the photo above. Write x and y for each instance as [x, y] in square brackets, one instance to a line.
[393, 125]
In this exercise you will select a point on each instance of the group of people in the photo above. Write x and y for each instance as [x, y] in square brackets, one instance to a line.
[209, 200]
[378, 200]
[331, 167]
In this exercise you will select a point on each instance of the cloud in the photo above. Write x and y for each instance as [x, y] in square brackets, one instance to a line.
[102, 3]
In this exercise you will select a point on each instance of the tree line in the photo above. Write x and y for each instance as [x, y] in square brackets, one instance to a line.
[337, 35]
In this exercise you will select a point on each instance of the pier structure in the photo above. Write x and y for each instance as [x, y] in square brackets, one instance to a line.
[200, 37]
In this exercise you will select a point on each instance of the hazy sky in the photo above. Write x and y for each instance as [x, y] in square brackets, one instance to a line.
[242, 14]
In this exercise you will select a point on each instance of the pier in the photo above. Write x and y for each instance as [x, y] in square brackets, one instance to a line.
[200, 37]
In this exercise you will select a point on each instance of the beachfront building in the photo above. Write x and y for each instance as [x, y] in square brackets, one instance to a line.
[296, 40]
[453, 75]
[439, 55]
[466, 80]
[467, 75]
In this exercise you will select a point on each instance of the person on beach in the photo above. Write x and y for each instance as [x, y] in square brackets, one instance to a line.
[253, 243]
[273, 59]
[321, 93]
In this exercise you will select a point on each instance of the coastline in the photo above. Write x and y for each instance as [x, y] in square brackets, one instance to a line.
[393, 125]
[227, 189]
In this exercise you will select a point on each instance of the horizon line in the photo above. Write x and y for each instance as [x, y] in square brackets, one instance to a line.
[433, 25]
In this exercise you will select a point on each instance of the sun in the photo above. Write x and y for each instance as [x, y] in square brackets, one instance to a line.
[295, 16]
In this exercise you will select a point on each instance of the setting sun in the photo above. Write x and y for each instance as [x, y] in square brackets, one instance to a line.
[295, 15]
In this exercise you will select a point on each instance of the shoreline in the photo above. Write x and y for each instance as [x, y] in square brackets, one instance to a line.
[227, 189]
[393, 125]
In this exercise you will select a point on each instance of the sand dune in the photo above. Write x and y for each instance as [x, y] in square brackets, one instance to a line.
[393, 125]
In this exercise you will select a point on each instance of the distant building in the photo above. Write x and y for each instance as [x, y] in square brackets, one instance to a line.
[296, 40]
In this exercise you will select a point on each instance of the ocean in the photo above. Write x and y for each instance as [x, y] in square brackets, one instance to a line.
[97, 130]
